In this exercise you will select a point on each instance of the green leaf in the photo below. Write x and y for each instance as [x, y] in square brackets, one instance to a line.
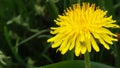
[75, 64]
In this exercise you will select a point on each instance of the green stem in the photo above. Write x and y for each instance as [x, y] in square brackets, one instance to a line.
[87, 60]
[78, 1]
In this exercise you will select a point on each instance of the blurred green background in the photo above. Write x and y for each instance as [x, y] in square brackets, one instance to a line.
[24, 29]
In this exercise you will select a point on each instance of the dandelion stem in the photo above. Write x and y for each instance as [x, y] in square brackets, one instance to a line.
[87, 60]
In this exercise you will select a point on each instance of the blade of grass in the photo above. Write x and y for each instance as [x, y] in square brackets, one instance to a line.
[17, 57]
[110, 8]
[117, 55]
[16, 45]
[44, 36]
[47, 57]
[33, 36]
[52, 8]
[71, 2]
[65, 4]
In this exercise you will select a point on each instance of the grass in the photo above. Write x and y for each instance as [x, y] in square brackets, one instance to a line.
[24, 29]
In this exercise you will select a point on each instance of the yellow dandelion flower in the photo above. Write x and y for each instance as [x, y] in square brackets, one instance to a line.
[80, 26]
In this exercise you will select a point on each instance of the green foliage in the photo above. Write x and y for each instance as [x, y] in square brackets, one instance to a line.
[24, 29]
[75, 64]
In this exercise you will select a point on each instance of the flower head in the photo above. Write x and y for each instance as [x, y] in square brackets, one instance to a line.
[79, 28]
